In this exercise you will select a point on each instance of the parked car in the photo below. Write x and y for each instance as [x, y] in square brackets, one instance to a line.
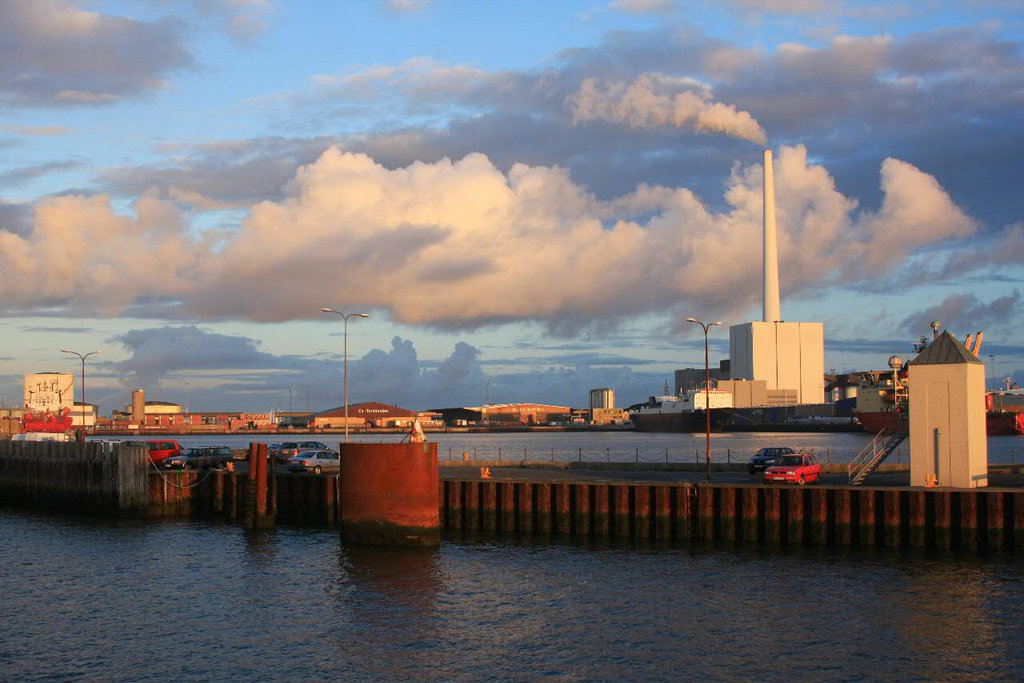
[214, 457]
[315, 461]
[160, 450]
[290, 449]
[800, 468]
[766, 457]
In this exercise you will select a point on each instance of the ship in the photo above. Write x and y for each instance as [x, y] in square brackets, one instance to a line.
[683, 412]
[883, 401]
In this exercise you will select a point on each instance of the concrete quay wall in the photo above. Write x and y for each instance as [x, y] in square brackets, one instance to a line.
[74, 477]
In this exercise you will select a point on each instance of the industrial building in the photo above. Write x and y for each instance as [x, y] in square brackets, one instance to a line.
[49, 392]
[374, 414]
[789, 357]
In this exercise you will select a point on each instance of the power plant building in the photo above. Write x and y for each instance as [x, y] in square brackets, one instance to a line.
[788, 356]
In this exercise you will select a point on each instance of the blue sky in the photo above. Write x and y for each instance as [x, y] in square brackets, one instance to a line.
[528, 197]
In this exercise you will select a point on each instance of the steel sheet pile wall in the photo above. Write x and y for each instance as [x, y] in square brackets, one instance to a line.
[74, 477]
[976, 519]
[298, 499]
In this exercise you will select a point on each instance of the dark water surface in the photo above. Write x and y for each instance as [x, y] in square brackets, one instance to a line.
[96, 599]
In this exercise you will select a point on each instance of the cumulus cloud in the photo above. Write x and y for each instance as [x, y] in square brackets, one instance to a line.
[225, 371]
[660, 100]
[81, 252]
[218, 175]
[966, 313]
[54, 54]
[461, 244]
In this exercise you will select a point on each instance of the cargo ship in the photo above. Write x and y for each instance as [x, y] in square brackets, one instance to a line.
[683, 412]
[883, 404]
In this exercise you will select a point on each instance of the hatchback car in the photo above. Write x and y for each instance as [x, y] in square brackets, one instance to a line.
[766, 457]
[800, 468]
[316, 461]
[289, 449]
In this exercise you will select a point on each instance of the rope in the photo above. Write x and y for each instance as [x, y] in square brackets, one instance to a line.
[174, 484]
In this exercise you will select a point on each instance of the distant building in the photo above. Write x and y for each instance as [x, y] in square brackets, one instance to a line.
[602, 398]
[374, 414]
[788, 357]
[49, 392]
[693, 378]
[606, 416]
[83, 415]
[525, 413]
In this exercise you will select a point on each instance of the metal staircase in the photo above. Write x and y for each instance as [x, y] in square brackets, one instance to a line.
[871, 456]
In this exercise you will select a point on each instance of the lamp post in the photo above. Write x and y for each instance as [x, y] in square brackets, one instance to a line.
[707, 390]
[345, 317]
[83, 357]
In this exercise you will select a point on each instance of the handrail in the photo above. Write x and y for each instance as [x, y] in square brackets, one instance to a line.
[870, 449]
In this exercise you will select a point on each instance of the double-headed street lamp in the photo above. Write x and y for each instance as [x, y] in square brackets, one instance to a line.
[707, 389]
[83, 357]
[345, 317]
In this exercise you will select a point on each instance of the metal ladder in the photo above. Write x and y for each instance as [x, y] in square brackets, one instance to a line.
[871, 456]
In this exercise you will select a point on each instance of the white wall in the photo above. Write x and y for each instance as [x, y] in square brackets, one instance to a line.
[784, 355]
[52, 391]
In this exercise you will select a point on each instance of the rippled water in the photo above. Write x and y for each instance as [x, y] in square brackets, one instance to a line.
[95, 599]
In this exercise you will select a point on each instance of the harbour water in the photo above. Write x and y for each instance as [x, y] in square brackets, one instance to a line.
[135, 600]
[625, 446]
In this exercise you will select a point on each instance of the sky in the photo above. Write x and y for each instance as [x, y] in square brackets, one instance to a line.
[527, 197]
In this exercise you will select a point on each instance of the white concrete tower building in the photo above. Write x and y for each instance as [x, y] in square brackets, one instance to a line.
[788, 357]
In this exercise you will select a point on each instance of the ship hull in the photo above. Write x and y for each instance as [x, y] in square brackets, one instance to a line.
[1004, 424]
[688, 421]
[893, 422]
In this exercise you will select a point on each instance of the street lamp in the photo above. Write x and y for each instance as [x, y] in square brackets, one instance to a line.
[345, 317]
[83, 357]
[707, 390]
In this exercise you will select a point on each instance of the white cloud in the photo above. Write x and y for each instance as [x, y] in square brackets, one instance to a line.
[54, 54]
[463, 244]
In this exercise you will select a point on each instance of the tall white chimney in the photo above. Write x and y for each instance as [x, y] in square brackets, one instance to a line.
[770, 288]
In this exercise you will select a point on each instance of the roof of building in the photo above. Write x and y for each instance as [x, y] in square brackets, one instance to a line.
[368, 409]
[497, 407]
[945, 350]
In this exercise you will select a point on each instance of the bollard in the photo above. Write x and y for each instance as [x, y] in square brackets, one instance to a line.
[390, 493]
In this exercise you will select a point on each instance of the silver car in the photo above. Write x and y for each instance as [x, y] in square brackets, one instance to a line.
[317, 462]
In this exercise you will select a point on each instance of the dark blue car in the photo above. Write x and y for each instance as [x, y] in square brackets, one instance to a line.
[766, 457]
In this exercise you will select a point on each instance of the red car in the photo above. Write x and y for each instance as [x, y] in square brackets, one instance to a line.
[163, 449]
[799, 468]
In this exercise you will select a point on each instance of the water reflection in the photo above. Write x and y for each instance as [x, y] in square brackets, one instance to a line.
[180, 601]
